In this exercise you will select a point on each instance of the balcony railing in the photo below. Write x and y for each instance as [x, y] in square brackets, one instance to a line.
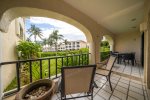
[60, 61]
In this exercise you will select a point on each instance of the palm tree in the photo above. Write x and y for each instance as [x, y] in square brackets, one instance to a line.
[55, 37]
[28, 39]
[66, 42]
[35, 31]
[50, 41]
[45, 41]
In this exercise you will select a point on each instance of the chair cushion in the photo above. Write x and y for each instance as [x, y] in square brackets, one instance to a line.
[102, 72]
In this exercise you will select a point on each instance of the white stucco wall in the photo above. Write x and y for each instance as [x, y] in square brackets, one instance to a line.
[130, 42]
[9, 41]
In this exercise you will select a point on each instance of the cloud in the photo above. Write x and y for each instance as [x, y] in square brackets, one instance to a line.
[70, 32]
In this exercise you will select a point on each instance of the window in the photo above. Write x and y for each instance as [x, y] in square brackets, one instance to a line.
[19, 31]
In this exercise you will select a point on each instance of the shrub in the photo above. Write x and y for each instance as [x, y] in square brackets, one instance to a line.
[104, 55]
[63, 53]
[28, 49]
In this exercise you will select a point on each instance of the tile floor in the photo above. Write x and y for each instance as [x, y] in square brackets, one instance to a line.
[135, 71]
[124, 87]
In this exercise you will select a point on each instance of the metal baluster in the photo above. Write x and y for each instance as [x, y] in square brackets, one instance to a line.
[18, 75]
[56, 67]
[67, 60]
[87, 58]
[30, 66]
[82, 59]
[76, 60]
[40, 69]
[49, 69]
[62, 61]
[72, 60]
[79, 59]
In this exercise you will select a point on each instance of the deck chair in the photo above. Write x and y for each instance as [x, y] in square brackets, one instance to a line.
[77, 79]
[106, 69]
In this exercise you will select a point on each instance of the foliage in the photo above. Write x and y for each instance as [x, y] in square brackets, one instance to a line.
[63, 53]
[45, 41]
[35, 31]
[66, 42]
[28, 49]
[104, 49]
[105, 44]
[12, 85]
[84, 50]
[104, 55]
[50, 40]
[55, 37]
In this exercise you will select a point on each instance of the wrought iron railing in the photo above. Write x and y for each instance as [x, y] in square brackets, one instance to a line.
[71, 60]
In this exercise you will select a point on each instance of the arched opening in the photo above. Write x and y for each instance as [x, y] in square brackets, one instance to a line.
[26, 12]
[106, 45]
[110, 41]
[69, 37]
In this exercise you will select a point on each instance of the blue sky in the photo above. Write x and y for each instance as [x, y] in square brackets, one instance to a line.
[47, 25]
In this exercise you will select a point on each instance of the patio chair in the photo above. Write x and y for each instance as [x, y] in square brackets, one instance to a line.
[107, 69]
[77, 79]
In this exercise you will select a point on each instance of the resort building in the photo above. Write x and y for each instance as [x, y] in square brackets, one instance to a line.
[71, 45]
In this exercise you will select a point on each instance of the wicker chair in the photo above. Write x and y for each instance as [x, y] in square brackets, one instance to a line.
[106, 69]
[78, 79]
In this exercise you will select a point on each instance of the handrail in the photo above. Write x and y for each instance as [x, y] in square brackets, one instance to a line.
[44, 58]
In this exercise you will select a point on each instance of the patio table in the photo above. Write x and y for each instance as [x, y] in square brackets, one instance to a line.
[121, 55]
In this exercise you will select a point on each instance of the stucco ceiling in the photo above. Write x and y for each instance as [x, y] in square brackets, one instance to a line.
[118, 16]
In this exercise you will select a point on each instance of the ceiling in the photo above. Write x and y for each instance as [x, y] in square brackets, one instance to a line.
[118, 16]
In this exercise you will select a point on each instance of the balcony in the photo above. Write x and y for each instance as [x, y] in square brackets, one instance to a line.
[122, 22]
[127, 81]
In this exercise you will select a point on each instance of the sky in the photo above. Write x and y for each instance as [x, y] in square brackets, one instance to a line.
[47, 25]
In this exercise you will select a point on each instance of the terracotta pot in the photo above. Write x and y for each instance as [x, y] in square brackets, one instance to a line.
[43, 82]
